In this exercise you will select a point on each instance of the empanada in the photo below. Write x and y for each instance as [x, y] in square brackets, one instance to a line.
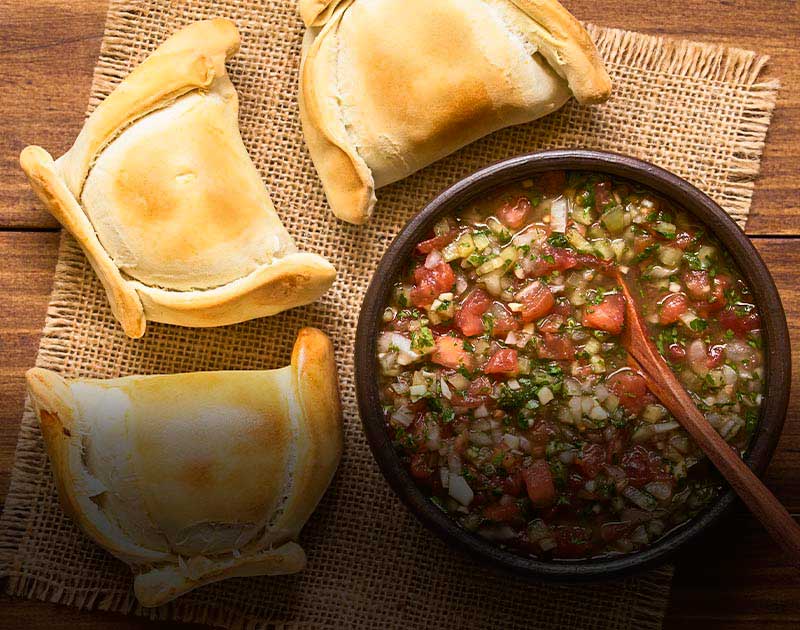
[194, 478]
[161, 194]
[390, 86]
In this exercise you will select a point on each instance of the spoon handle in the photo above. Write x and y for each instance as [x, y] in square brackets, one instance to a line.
[666, 387]
[762, 503]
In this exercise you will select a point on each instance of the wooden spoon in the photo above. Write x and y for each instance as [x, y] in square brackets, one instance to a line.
[662, 382]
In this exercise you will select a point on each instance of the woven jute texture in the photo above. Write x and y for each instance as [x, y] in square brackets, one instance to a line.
[698, 110]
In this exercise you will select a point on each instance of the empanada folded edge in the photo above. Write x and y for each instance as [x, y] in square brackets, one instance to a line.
[161, 575]
[346, 161]
[191, 60]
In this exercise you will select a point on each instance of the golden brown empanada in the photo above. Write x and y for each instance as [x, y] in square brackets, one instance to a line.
[194, 478]
[162, 196]
[390, 86]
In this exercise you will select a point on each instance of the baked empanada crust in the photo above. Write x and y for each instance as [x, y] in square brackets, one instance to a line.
[390, 86]
[194, 478]
[161, 194]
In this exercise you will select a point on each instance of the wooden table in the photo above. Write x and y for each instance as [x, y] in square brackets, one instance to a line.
[735, 578]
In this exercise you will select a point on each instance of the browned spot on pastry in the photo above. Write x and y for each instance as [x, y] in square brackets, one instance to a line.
[198, 474]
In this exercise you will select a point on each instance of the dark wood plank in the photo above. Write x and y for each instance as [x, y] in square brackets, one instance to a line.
[48, 49]
[26, 279]
[768, 27]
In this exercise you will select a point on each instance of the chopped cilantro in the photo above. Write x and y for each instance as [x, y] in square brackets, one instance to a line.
[698, 325]
[646, 253]
[695, 262]
[422, 339]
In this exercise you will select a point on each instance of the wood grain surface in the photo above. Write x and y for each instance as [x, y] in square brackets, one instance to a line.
[734, 578]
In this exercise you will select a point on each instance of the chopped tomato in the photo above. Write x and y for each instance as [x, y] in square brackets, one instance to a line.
[503, 321]
[740, 324]
[698, 284]
[716, 354]
[477, 394]
[502, 513]
[420, 466]
[450, 353]
[572, 540]
[503, 361]
[469, 316]
[609, 315]
[642, 466]
[564, 259]
[514, 214]
[671, 308]
[553, 259]
[563, 307]
[555, 346]
[437, 242]
[683, 240]
[552, 182]
[537, 301]
[513, 484]
[430, 283]
[591, 460]
[676, 352]
[552, 323]
[610, 532]
[716, 301]
[539, 482]
[642, 241]
[602, 195]
[631, 389]
[593, 262]
[541, 432]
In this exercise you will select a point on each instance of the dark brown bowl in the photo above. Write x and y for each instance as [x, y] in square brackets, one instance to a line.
[776, 351]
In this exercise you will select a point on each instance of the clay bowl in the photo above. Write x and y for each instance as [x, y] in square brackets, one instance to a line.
[672, 187]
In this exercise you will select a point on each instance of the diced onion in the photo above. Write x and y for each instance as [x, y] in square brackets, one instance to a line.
[481, 412]
[697, 358]
[511, 440]
[433, 259]
[459, 489]
[664, 427]
[639, 535]
[558, 214]
[638, 498]
[658, 272]
[402, 416]
[654, 413]
[660, 490]
[458, 380]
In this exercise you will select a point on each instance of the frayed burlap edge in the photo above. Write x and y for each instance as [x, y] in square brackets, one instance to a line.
[711, 62]
[654, 54]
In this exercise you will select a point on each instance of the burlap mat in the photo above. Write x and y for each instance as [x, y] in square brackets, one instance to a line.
[692, 108]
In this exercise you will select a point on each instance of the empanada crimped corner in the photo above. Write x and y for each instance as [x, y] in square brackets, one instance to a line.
[388, 87]
[195, 478]
[163, 198]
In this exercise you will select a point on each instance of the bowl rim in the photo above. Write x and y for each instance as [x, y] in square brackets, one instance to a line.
[776, 349]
